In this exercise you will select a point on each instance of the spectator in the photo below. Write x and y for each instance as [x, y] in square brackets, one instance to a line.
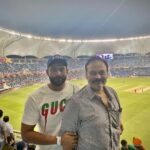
[9, 131]
[21, 145]
[138, 143]
[126, 146]
[3, 137]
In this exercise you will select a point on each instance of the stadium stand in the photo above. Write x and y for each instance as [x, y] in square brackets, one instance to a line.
[27, 71]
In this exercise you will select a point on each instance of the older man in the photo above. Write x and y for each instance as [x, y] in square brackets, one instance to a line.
[94, 112]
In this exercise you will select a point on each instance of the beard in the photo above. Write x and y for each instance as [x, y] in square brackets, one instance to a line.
[57, 81]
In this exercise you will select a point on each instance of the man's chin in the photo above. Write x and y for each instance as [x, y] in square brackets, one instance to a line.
[58, 84]
[58, 81]
[99, 85]
[97, 88]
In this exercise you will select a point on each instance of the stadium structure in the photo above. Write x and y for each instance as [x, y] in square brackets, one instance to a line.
[24, 54]
[23, 58]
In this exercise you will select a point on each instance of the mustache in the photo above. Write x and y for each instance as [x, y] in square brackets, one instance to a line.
[98, 81]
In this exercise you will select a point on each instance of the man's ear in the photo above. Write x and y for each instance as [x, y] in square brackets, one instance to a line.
[67, 70]
[47, 71]
[86, 74]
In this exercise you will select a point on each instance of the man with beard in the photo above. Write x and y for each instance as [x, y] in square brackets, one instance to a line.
[44, 108]
[94, 113]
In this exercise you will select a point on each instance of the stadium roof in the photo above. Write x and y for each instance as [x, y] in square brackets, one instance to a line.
[55, 24]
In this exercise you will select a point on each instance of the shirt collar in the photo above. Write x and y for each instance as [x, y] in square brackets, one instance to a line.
[92, 94]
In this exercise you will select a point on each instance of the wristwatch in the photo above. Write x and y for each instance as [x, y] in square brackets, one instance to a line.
[58, 140]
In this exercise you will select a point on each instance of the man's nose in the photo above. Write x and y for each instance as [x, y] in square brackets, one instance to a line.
[98, 75]
[58, 72]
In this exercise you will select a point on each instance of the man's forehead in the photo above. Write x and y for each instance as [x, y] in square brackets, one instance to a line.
[57, 65]
[97, 63]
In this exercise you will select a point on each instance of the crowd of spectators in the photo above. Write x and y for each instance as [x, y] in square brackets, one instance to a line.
[23, 72]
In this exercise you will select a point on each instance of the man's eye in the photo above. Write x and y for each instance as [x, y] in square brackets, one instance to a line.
[57, 69]
[61, 69]
[93, 72]
[53, 70]
[96, 72]
[102, 72]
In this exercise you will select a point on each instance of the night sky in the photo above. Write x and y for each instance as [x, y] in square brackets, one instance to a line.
[77, 19]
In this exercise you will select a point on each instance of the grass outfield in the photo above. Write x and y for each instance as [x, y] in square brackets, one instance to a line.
[134, 94]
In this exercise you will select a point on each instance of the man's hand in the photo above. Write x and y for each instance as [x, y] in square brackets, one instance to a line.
[69, 140]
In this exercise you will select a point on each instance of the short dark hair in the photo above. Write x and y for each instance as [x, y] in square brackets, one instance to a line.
[21, 145]
[5, 118]
[123, 142]
[96, 58]
[1, 113]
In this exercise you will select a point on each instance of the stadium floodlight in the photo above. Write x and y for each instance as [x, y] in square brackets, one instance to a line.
[29, 36]
[12, 32]
[74, 40]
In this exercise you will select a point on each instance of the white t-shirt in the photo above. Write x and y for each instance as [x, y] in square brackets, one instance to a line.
[44, 107]
[2, 130]
[9, 129]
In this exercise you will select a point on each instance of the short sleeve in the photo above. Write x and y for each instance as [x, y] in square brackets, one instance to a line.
[31, 112]
[70, 117]
[76, 88]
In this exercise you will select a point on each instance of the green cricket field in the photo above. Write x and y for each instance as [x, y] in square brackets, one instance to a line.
[134, 94]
